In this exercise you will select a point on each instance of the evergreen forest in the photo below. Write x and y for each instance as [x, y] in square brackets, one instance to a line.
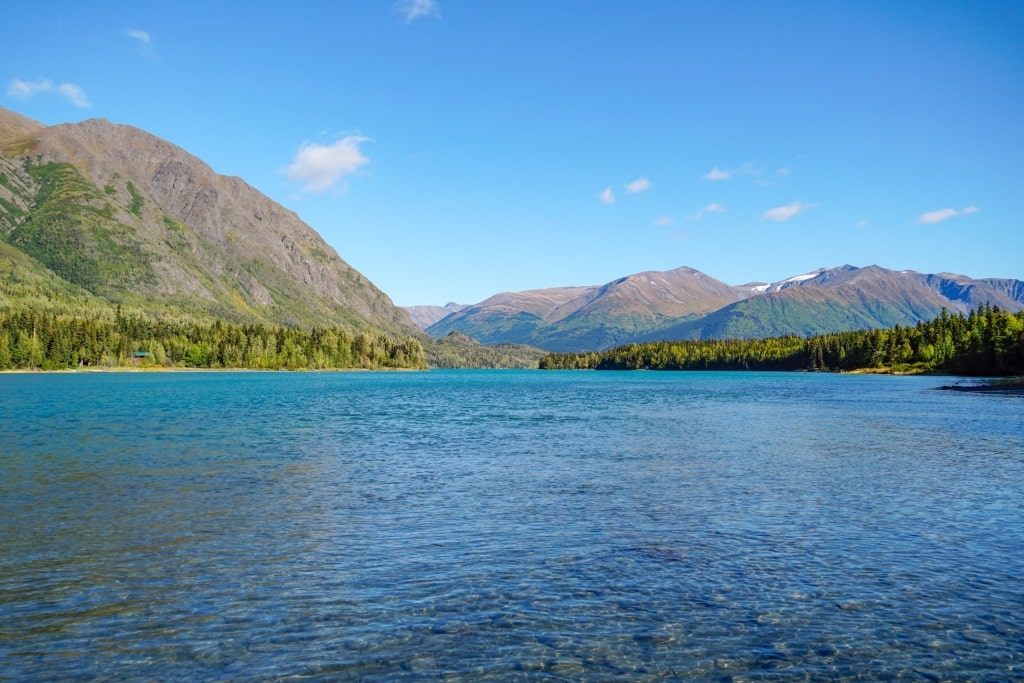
[987, 341]
[31, 340]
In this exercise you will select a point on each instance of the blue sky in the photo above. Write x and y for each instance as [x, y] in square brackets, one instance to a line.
[452, 150]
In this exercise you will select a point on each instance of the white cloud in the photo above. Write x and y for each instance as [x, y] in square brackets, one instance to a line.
[321, 167]
[784, 213]
[146, 47]
[945, 214]
[26, 90]
[713, 207]
[75, 94]
[664, 221]
[137, 34]
[411, 10]
[638, 185]
[717, 174]
[607, 196]
[725, 173]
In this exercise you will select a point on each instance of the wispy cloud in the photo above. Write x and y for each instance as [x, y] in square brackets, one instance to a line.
[775, 177]
[137, 34]
[717, 173]
[75, 94]
[664, 221]
[945, 214]
[26, 90]
[784, 213]
[321, 167]
[411, 10]
[146, 47]
[607, 195]
[713, 207]
[638, 185]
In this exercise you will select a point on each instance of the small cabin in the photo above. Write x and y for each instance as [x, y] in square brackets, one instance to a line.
[140, 356]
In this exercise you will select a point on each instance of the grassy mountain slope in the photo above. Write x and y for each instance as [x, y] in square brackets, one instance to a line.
[26, 282]
[803, 311]
[110, 213]
[13, 125]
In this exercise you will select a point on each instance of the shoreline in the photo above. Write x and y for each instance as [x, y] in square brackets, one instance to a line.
[981, 384]
[1003, 385]
[101, 371]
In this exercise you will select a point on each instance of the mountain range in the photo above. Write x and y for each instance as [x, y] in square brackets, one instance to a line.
[687, 304]
[95, 213]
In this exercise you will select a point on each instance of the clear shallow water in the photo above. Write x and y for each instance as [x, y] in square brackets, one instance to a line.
[540, 526]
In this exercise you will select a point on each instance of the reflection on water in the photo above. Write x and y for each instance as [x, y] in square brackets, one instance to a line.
[472, 525]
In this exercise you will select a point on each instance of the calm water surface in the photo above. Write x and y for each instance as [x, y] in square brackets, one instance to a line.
[509, 525]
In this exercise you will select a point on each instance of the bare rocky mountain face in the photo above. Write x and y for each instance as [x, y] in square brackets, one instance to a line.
[131, 218]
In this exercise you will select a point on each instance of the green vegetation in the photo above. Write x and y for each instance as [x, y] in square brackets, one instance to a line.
[70, 230]
[457, 350]
[173, 225]
[987, 341]
[110, 339]
[136, 205]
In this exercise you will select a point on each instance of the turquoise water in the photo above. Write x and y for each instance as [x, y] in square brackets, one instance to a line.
[509, 525]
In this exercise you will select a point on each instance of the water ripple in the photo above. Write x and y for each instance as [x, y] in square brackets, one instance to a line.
[507, 525]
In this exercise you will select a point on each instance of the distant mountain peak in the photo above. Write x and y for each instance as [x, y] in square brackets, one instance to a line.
[685, 303]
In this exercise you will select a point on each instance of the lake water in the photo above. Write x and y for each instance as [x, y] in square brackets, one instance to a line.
[507, 525]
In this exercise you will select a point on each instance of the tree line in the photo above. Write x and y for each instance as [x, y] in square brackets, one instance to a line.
[986, 341]
[50, 341]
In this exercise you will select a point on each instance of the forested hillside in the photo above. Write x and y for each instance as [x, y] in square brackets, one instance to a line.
[987, 341]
